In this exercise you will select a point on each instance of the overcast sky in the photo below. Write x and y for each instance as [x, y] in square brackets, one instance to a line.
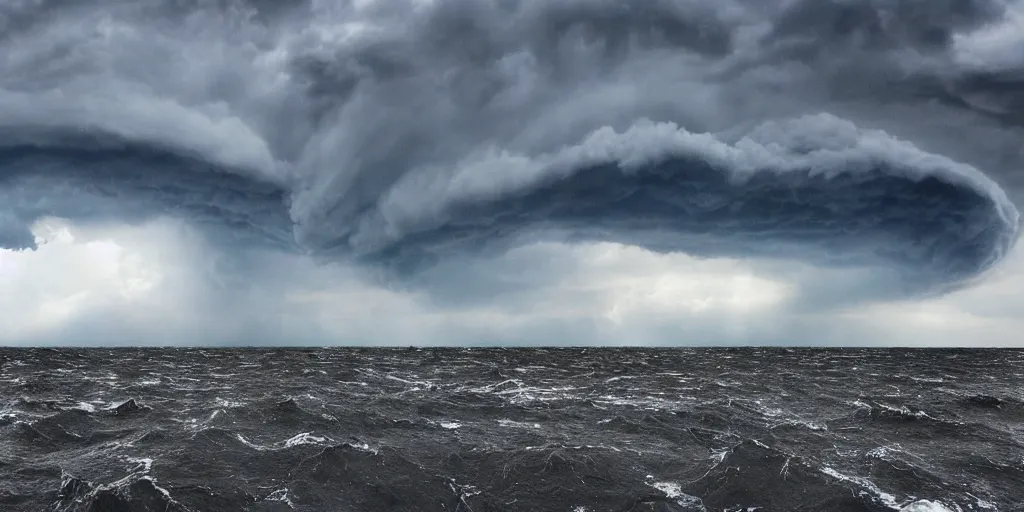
[450, 172]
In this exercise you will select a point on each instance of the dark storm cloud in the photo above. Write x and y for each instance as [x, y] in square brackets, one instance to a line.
[405, 132]
[875, 25]
[130, 183]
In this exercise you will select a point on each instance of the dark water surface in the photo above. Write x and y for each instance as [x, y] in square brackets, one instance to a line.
[480, 430]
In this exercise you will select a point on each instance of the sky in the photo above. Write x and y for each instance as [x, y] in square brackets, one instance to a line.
[456, 172]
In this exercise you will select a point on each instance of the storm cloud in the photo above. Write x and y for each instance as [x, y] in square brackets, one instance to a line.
[401, 136]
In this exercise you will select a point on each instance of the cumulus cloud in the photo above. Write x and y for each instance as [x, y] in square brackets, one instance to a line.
[756, 168]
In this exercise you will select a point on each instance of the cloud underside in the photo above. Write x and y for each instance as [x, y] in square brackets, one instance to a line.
[848, 198]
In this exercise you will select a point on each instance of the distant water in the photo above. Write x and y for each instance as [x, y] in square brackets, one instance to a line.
[567, 430]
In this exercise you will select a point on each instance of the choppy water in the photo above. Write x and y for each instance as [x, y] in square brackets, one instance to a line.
[511, 430]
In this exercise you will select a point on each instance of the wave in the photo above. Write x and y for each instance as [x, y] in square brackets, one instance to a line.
[617, 429]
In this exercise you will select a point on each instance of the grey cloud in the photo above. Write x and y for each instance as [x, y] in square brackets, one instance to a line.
[404, 133]
[880, 24]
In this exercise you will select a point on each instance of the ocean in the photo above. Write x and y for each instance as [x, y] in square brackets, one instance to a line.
[512, 429]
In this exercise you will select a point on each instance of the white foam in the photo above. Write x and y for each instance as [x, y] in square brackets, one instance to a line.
[305, 438]
[671, 489]
[926, 506]
[85, 406]
[888, 451]
[463, 492]
[577, 447]
[250, 444]
[363, 447]
[674, 491]
[620, 377]
[128, 480]
[165, 492]
[888, 499]
[984, 505]
[280, 495]
[223, 402]
[505, 422]
[296, 440]
[145, 463]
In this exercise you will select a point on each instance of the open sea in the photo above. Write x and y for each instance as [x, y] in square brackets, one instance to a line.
[477, 430]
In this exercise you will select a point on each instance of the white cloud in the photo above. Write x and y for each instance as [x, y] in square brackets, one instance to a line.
[68, 278]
